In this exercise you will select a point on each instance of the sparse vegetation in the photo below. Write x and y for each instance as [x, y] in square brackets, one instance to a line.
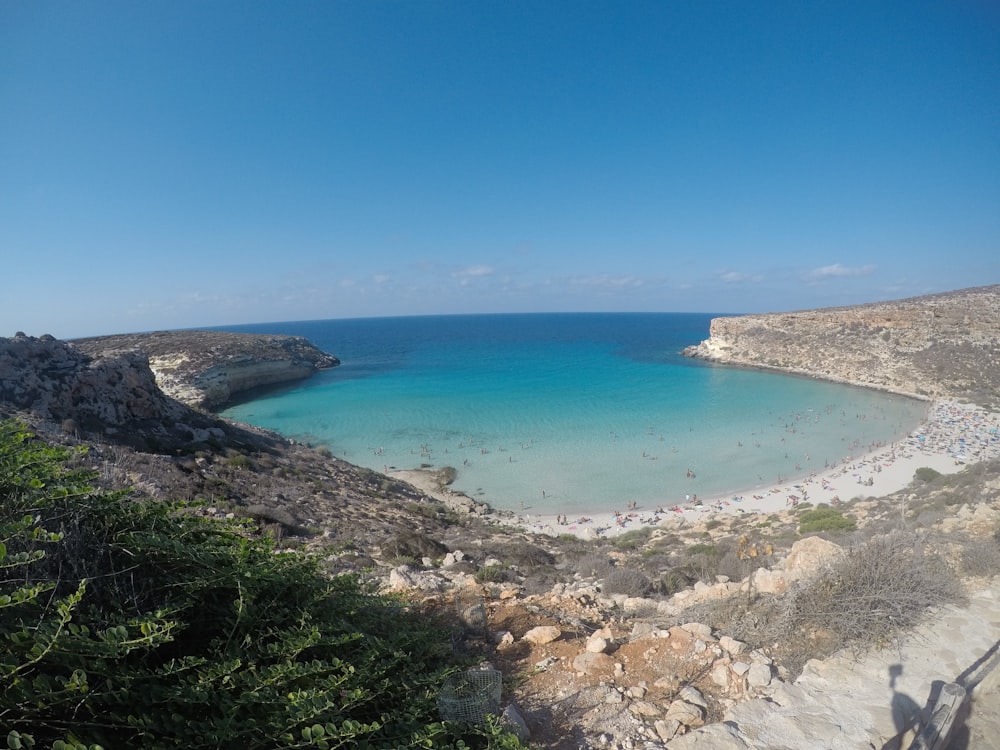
[875, 591]
[626, 581]
[926, 474]
[593, 566]
[631, 540]
[825, 518]
[491, 574]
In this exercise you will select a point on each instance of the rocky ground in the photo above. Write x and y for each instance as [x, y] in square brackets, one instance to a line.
[688, 633]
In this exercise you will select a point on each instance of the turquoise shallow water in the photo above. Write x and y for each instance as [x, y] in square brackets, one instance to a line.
[568, 413]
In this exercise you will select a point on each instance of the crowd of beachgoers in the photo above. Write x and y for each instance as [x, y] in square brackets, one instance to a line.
[952, 436]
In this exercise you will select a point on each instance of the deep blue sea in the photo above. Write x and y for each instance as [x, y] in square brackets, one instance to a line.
[567, 413]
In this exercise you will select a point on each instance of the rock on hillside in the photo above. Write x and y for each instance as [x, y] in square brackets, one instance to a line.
[938, 346]
[56, 382]
[208, 368]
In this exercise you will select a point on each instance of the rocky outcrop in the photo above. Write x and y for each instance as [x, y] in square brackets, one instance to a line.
[206, 369]
[938, 346]
[55, 382]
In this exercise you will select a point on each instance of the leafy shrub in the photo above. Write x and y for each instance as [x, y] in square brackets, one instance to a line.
[491, 574]
[631, 539]
[675, 579]
[239, 461]
[128, 624]
[824, 518]
[926, 474]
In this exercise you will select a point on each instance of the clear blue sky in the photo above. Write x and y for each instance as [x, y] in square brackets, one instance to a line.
[176, 164]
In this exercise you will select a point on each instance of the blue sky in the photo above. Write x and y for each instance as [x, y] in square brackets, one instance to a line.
[181, 164]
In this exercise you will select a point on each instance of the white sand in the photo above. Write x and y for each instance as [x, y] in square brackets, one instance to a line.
[953, 436]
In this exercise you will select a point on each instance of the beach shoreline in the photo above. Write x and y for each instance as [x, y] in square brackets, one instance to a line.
[953, 436]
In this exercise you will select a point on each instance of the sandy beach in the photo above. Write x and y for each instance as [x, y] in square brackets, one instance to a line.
[952, 437]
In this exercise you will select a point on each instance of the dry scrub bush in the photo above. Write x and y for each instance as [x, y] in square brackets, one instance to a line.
[981, 557]
[593, 566]
[626, 581]
[873, 592]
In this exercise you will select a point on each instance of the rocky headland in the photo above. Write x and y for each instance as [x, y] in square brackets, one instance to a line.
[936, 346]
[209, 368]
[692, 634]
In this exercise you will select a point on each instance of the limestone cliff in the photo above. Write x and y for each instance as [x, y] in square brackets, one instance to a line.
[208, 368]
[937, 346]
[115, 395]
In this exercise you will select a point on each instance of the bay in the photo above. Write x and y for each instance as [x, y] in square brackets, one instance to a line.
[567, 413]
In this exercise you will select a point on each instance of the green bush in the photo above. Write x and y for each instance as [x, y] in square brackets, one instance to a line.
[491, 574]
[128, 624]
[632, 539]
[824, 518]
[926, 474]
[710, 550]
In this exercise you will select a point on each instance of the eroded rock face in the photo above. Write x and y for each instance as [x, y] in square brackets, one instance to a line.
[934, 346]
[57, 382]
[206, 369]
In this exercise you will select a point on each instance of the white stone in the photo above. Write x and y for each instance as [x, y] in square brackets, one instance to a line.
[686, 713]
[666, 729]
[740, 668]
[759, 675]
[693, 695]
[808, 556]
[720, 675]
[732, 646]
[645, 708]
[698, 629]
[596, 644]
[542, 634]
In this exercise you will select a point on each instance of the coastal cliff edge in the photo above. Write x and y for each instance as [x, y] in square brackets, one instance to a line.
[936, 346]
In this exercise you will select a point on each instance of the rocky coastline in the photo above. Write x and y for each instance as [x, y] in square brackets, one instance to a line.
[936, 346]
[655, 639]
[207, 369]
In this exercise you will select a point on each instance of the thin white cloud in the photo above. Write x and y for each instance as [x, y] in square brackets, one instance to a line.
[604, 281]
[465, 276]
[838, 270]
[380, 278]
[738, 277]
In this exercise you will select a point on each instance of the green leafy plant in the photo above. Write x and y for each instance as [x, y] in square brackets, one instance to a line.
[130, 624]
[824, 518]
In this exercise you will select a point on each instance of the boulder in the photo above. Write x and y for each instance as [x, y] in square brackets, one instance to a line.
[698, 629]
[514, 723]
[759, 675]
[600, 640]
[542, 634]
[808, 556]
[732, 646]
[686, 713]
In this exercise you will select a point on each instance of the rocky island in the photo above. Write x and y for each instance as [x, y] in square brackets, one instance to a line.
[716, 632]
